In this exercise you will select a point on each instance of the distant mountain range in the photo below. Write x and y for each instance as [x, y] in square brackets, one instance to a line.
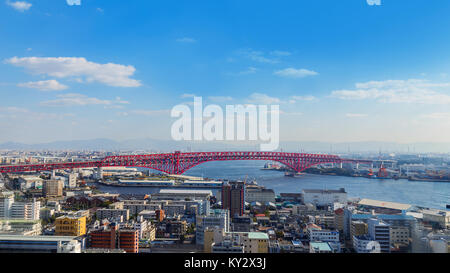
[148, 144]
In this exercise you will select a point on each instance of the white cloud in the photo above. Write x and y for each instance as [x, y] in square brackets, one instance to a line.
[150, 112]
[355, 115]
[74, 99]
[250, 70]
[185, 95]
[186, 40]
[291, 113]
[437, 116]
[50, 85]
[13, 109]
[62, 67]
[73, 2]
[13, 112]
[303, 98]
[398, 91]
[257, 56]
[19, 5]
[259, 98]
[220, 98]
[295, 73]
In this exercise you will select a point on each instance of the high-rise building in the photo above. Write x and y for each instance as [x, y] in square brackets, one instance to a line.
[26, 210]
[6, 201]
[72, 180]
[53, 188]
[128, 240]
[357, 228]
[233, 197]
[9, 209]
[104, 237]
[380, 231]
[109, 237]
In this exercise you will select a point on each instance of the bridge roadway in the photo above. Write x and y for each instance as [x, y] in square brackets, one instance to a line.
[178, 163]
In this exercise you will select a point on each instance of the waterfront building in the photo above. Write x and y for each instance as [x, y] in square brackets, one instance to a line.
[439, 218]
[291, 197]
[324, 197]
[383, 207]
[177, 194]
[259, 194]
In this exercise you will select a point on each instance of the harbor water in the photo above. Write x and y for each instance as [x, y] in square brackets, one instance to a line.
[425, 194]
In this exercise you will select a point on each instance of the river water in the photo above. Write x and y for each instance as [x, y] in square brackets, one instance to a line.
[426, 194]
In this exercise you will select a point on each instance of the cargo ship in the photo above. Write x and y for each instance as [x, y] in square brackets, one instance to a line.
[292, 174]
[273, 167]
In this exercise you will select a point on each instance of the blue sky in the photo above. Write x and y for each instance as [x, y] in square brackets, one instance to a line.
[340, 70]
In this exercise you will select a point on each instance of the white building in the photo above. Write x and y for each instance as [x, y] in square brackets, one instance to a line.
[26, 210]
[171, 194]
[329, 236]
[6, 201]
[259, 194]
[365, 244]
[217, 218]
[30, 182]
[438, 217]
[72, 180]
[9, 209]
[324, 197]
[380, 231]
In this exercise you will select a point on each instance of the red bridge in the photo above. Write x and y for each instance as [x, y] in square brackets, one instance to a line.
[178, 163]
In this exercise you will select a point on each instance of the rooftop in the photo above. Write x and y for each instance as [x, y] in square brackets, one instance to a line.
[172, 191]
[258, 235]
[36, 238]
[384, 204]
[382, 217]
[341, 190]
[322, 246]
